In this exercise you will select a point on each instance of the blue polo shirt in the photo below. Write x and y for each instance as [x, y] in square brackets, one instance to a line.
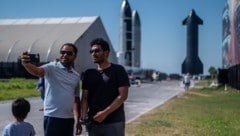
[61, 87]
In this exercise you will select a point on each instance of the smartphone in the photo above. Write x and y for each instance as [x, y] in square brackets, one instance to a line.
[34, 58]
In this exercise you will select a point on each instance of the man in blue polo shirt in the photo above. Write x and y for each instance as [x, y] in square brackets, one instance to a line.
[61, 91]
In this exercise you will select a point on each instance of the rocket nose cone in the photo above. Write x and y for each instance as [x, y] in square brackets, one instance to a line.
[125, 9]
[192, 13]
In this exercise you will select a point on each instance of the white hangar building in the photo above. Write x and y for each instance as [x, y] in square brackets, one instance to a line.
[45, 36]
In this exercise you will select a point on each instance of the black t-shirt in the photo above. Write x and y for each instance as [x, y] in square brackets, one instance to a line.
[102, 89]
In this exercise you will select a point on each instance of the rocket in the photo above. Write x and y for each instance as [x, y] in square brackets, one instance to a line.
[125, 55]
[136, 39]
[192, 63]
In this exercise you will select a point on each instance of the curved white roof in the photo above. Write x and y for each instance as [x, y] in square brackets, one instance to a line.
[39, 35]
[45, 36]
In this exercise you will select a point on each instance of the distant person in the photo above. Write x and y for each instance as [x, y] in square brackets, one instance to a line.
[138, 82]
[62, 91]
[104, 91]
[155, 76]
[186, 81]
[20, 110]
[41, 88]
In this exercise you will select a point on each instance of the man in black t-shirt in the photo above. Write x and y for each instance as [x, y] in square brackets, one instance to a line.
[104, 91]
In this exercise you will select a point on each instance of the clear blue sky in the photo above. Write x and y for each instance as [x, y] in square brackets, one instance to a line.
[163, 35]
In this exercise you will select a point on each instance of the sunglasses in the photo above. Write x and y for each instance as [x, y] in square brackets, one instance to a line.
[68, 53]
[95, 51]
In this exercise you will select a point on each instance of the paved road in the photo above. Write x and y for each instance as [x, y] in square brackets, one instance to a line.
[148, 96]
[141, 100]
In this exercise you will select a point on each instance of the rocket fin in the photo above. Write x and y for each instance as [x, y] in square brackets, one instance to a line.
[192, 67]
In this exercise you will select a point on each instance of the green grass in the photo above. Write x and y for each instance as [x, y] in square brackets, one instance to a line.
[199, 112]
[17, 87]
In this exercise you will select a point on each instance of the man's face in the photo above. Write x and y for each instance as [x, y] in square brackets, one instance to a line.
[67, 55]
[97, 54]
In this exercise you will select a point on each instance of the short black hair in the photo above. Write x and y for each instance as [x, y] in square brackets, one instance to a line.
[71, 45]
[103, 43]
[20, 108]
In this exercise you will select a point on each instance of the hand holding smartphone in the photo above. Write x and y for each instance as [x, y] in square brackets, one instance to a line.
[28, 57]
